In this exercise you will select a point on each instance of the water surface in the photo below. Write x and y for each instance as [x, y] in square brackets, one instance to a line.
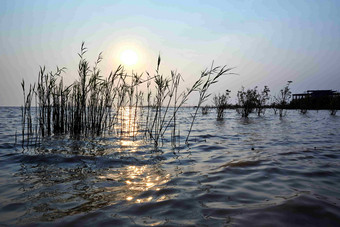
[261, 171]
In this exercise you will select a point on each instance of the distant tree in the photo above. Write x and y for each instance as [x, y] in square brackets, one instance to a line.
[273, 105]
[246, 101]
[282, 99]
[221, 103]
[205, 109]
[304, 104]
[262, 100]
[334, 105]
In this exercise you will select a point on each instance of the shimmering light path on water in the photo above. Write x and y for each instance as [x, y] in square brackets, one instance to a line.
[255, 172]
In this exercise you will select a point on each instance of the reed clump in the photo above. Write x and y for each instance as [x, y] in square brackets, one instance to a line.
[95, 105]
[281, 100]
[252, 100]
[334, 105]
[221, 103]
[262, 100]
[205, 109]
[246, 101]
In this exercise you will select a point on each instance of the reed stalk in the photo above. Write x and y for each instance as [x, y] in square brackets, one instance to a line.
[207, 78]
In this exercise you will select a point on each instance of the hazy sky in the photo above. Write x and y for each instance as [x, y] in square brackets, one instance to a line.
[269, 42]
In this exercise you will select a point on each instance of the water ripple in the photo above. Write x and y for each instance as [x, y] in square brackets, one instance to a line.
[261, 171]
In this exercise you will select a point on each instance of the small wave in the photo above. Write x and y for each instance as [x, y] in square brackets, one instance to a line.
[290, 153]
[100, 161]
[244, 163]
[333, 156]
[299, 211]
[320, 173]
[209, 147]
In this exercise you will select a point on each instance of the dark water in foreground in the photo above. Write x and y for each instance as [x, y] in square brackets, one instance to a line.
[291, 177]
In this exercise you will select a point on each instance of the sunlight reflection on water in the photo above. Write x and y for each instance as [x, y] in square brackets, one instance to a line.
[136, 180]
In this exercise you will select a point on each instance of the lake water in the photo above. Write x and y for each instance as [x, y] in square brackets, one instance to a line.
[261, 171]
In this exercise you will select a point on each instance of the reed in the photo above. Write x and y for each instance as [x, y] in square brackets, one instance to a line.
[262, 99]
[94, 105]
[221, 103]
[207, 78]
[303, 108]
[334, 105]
[26, 112]
[166, 96]
[205, 110]
[282, 99]
[253, 100]
[246, 101]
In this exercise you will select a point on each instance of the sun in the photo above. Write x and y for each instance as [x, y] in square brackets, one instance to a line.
[129, 57]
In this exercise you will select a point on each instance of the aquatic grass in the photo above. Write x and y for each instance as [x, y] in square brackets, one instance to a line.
[262, 100]
[166, 97]
[208, 77]
[26, 111]
[334, 105]
[205, 109]
[252, 100]
[304, 107]
[94, 105]
[246, 101]
[82, 107]
[282, 99]
[221, 103]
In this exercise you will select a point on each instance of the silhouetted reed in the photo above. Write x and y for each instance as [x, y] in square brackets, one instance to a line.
[251, 100]
[334, 105]
[303, 107]
[208, 77]
[282, 99]
[221, 103]
[262, 100]
[26, 112]
[246, 101]
[94, 105]
[205, 110]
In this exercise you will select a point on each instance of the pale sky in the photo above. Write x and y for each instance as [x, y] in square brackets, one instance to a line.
[269, 42]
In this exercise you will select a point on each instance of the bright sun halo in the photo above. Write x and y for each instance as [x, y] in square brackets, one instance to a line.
[129, 57]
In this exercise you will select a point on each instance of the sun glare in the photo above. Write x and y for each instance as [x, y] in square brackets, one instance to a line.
[129, 57]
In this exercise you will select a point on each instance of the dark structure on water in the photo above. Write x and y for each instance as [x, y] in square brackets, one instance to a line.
[316, 99]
